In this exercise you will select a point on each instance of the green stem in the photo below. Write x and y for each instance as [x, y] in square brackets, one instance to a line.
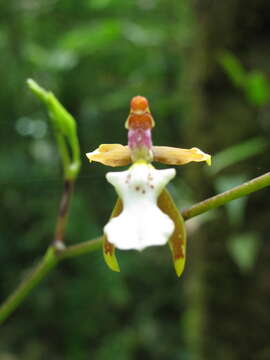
[62, 217]
[63, 150]
[47, 263]
[80, 249]
[232, 194]
[52, 257]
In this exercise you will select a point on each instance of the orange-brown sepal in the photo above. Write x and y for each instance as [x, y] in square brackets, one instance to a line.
[177, 241]
[140, 121]
[140, 116]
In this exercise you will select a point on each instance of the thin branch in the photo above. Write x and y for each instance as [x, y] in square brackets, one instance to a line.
[63, 151]
[232, 194]
[53, 257]
[62, 217]
[80, 249]
[47, 263]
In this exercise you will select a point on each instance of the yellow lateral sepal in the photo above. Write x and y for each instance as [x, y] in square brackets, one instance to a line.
[109, 255]
[177, 241]
[108, 248]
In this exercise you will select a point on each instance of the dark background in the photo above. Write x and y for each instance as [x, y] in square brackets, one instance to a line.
[204, 66]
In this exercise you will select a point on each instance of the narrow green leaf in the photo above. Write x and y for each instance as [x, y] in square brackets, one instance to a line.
[90, 38]
[236, 153]
[233, 68]
[257, 88]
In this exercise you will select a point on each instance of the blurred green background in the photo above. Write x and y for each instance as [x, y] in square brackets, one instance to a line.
[204, 66]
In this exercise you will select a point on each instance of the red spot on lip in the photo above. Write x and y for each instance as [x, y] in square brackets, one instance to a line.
[139, 103]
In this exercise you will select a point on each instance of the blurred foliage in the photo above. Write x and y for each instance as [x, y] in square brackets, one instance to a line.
[254, 84]
[244, 249]
[239, 152]
[95, 55]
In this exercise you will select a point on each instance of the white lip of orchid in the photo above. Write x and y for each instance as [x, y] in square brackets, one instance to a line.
[141, 223]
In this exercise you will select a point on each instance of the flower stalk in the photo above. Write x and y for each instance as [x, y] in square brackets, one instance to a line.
[247, 188]
[62, 217]
[65, 131]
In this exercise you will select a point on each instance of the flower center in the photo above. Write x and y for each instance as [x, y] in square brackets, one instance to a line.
[140, 144]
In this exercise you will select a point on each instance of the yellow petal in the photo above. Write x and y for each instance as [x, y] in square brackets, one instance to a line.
[108, 248]
[176, 156]
[111, 155]
[109, 255]
[177, 241]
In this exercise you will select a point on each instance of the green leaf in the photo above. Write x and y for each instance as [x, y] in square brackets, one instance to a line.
[88, 39]
[99, 4]
[236, 153]
[257, 88]
[233, 68]
[50, 59]
[254, 84]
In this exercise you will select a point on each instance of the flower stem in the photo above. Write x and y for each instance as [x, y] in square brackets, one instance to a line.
[232, 194]
[62, 217]
[47, 263]
[53, 257]
[80, 249]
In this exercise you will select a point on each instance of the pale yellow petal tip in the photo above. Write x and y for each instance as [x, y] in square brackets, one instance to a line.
[179, 266]
[94, 155]
[112, 262]
[89, 156]
[111, 155]
[109, 255]
[176, 156]
[203, 156]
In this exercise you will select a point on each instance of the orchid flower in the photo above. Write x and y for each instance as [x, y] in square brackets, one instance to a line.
[145, 214]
